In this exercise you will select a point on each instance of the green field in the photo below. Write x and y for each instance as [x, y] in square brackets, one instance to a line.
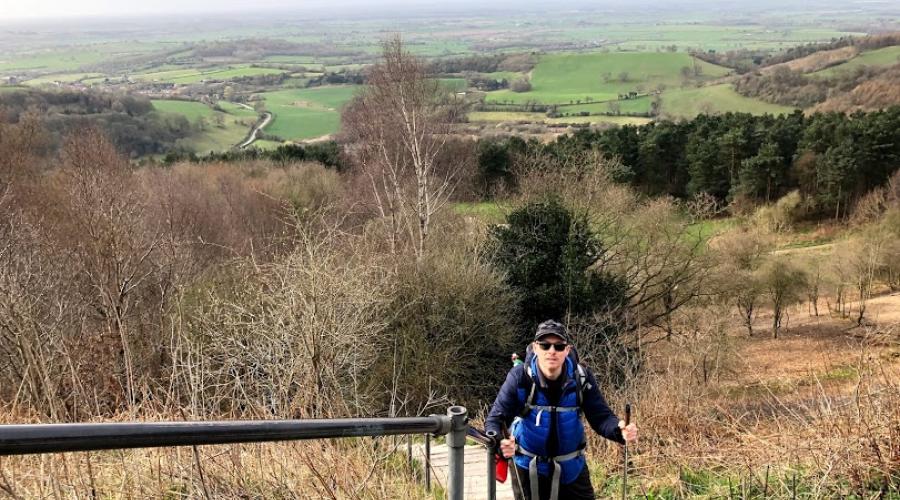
[501, 116]
[235, 123]
[640, 105]
[574, 78]
[306, 113]
[688, 103]
[887, 56]
[453, 84]
[648, 36]
[196, 75]
[64, 77]
[191, 110]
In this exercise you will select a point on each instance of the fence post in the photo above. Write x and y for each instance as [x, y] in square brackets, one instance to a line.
[456, 444]
[428, 463]
[492, 466]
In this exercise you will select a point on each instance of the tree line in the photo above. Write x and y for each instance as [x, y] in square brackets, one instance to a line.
[129, 121]
[832, 159]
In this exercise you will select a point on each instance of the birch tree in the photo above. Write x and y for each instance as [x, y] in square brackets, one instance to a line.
[399, 126]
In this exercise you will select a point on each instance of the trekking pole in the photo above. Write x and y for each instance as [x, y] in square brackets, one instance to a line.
[515, 480]
[625, 453]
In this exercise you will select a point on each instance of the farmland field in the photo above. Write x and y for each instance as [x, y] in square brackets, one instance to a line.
[569, 78]
[195, 75]
[306, 113]
[687, 103]
[501, 116]
[64, 77]
[191, 110]
[886, 56]
[453, 84]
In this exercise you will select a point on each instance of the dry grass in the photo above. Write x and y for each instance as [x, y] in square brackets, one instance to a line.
[357, 469]
[814, 413]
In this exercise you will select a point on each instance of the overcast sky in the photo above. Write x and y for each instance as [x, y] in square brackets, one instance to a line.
[30, 9]
[12, 10]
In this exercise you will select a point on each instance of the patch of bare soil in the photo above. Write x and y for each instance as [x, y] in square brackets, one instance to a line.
[815, 360]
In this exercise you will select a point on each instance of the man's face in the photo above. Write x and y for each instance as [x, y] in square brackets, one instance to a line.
[550, 359]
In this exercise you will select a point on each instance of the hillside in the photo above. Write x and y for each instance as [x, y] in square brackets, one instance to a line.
[845, 79]
[574, 78]
[878, 92]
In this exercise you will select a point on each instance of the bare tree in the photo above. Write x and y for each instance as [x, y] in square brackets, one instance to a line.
[400, 126]
[113, 247]
[784, 284]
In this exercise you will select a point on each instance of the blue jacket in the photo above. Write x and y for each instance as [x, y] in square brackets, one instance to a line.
[532, 430]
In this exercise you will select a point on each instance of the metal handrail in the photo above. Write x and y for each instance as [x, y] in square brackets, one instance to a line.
[490, 441]
[51, 438]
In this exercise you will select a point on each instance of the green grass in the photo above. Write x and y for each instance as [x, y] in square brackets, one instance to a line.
[236, 122]
[191, 110]
[502, 75]
[638, 105]
[266, 145]
[503, 116]
[64, 77]
[570, 78]
[453, 84]
[602, 119]
[487, 211]
[71, 58]
[306, 113]
[887, 56]
[688, 103]
[195, 75]
[506, 116]
[706, 229]
[236, 109]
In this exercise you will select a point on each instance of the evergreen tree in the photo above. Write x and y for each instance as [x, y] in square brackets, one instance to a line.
[548, 254]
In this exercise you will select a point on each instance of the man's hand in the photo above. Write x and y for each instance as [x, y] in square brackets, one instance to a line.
[629, 432]
[508, 447]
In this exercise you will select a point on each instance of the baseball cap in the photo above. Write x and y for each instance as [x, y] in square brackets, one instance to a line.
[551, 327]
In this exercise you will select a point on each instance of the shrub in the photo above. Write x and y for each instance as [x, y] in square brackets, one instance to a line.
[520, 85]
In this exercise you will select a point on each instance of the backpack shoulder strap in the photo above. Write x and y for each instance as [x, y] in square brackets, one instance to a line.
[583, 384]
[529, 399]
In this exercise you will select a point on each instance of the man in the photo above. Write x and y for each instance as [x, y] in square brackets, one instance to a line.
[543, 399]
[515, 360]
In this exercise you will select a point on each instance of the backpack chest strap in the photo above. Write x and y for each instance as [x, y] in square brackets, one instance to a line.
[552, 408]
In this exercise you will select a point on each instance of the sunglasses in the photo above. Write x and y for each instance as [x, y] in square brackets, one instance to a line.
[556, 347]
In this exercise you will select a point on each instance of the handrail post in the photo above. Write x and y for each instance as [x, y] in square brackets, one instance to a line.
[456, 444]
[428, 463]
[492, 466]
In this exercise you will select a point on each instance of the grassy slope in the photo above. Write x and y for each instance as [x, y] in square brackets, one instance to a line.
[687, 103]
[306, 113]
[564, 78]
[192, 110]
[886, 56]
[237, 121]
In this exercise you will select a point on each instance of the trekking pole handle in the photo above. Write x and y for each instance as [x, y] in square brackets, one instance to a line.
[627, 413]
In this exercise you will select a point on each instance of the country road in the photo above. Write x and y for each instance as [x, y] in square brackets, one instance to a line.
[252, 137]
